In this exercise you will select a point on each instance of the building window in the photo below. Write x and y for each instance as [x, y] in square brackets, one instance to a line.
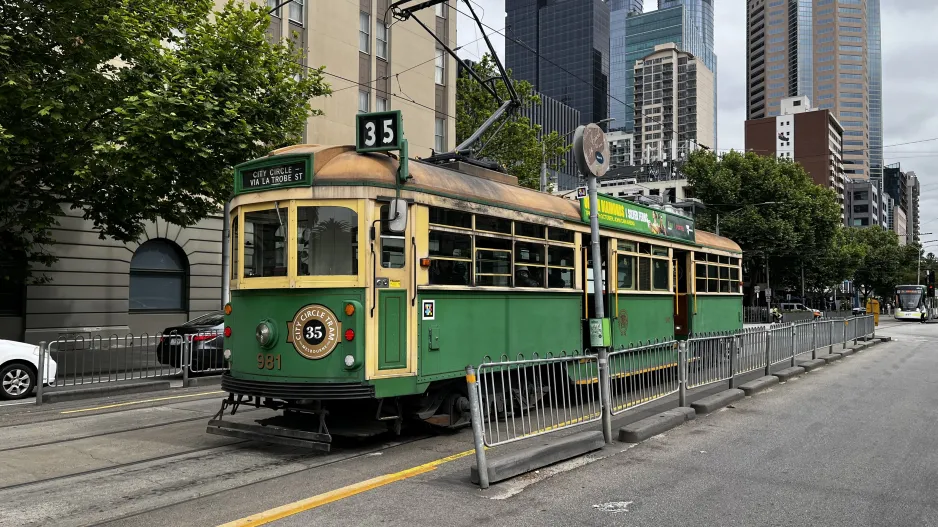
[439, 135]
[849, 11]
[381, 104]
[381, 49]
[296, 11]
[439, 10]
[158, 272]
[273, 6]
[364, 98]
[440, 65]
[12, 288]
[364, 32]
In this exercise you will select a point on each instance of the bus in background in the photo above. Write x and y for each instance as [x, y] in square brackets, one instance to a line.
[911, 303]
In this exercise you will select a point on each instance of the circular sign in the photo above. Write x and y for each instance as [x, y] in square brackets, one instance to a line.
[314, 331]
[591, 150]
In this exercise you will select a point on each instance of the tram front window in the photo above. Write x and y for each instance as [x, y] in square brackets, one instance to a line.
[909, 300]
[326, 241]
[265, 242]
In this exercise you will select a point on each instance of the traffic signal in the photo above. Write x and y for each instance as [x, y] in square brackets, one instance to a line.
[931, 290]
[931, 276]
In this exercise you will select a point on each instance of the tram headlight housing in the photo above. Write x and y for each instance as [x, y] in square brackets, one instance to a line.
[349, 361]
[266, 334]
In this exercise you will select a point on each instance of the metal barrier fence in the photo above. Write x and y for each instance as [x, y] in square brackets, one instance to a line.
[642, 374]
[756, 315]
[79, 361]
[529, 397]
[514, 400]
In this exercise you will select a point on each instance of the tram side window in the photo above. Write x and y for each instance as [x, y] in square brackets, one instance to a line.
[326, 241]
[493, 224]
[717, 274]
[392, 245]
[451, 218]
[626, 270]
[559, 235]
[529, 264]
[660, 275]
[560, 264]
[493, 262]
[643, 267]
[529, 230]
[235, 240]
[265, 252]
[450, 258]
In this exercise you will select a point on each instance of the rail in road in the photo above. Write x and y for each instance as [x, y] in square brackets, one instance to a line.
[146, 460]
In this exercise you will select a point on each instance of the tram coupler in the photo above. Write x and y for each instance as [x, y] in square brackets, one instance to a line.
[290, 429]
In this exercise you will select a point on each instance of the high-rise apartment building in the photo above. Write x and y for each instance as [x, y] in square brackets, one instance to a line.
[828, 50]
[686, 23]
[371, 56]
[619, 10]
[903, 187]
[913, 214]
[565, 51]
[865, 203]
[806, 135]
[673, 105]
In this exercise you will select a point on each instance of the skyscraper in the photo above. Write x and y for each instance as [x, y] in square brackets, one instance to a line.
[686, 23]
[619, 10]
[565, 51]
[829, 51]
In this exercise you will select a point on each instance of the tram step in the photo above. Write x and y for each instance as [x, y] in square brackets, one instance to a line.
[270, 434]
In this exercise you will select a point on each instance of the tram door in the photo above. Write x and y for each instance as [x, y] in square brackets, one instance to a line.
[682, 306]
[393, 298]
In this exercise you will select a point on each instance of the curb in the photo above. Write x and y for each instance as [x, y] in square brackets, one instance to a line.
[850, 351]
[651, 426]
[717, 401]
[830, 358]
[788, 373]
[812, 364]
[757, 385]
[105, 389]
[536, 457]
[212, 380]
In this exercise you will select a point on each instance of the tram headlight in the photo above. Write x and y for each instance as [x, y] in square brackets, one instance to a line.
[265, 334]
[349, 361]
[227, 354]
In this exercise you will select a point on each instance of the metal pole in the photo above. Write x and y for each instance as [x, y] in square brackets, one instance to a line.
[226, 256]
[768, 348]
[846, 322]
[42, 372]
[185, 359]
[768, 284]
[475, 411]
[598, 291]
[830, 348]
[814, 340]
[802, 283]
[543, 169]
[682, 373]
[794, 338]
[718, 224]
[734, 349]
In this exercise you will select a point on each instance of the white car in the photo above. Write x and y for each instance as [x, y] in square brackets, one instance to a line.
[19, 365]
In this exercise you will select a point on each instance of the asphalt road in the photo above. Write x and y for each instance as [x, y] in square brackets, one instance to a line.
[850, 444]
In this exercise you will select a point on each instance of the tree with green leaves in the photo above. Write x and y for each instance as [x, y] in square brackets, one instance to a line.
[513, 142]
[135, 110]
[879, 269]
[776, 213]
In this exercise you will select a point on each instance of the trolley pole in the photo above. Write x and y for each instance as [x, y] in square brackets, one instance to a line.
[592, 155]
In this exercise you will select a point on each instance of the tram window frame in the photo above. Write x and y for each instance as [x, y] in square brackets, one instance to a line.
[519, 225]
[495, 222]
[301, 243]
[437, 261]
[716, 274]
[491, 245]
[643, 257]
[456, 218]
[280, 269]
[386, 234]
[561, 236]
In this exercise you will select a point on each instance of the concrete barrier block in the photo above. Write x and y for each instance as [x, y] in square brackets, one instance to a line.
[757, 385]
[717, 401]
[830, 358]
[542, 454]
[788, 373]
[850, 351]
[812, 364]
[654, 425]
[57, 395]
[883, 339]
[210, 380]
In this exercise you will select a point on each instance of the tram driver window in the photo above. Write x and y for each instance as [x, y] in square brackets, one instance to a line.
[265, 242]
[326, 241]
[392, 245]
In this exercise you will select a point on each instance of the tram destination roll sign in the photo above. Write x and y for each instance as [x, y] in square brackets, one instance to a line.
[273, 172]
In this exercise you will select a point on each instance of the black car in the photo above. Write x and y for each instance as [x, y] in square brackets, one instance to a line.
[207, 339]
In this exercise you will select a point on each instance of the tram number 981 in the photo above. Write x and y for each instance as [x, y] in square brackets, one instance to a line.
[268, 361]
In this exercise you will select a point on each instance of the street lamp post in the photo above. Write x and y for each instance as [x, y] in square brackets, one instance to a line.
[544, 154]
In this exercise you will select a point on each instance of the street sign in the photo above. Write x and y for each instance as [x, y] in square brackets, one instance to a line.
[581, 193]
[591, 150]
[378, 132]
[756, 289]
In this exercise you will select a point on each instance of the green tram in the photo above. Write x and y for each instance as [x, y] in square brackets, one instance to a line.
[341, 308]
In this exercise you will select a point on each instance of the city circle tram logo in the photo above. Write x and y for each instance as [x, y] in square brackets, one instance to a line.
[314, 331]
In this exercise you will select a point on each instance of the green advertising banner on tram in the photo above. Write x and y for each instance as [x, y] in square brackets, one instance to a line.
[628, 216]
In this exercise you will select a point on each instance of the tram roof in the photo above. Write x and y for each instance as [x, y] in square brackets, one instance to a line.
[337, 165]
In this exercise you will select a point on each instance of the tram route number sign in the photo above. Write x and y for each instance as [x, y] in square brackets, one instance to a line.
[378, 131]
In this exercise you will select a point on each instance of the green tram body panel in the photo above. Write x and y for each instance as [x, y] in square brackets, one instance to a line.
[641, 318]
[717, 313]
[249, 307]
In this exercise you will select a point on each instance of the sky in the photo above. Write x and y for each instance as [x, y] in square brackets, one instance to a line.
[910, 100]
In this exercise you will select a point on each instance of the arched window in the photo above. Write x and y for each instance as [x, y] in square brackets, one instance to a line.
[158, 274]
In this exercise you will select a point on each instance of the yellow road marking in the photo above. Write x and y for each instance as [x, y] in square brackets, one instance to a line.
[319, 500]
[129, 403]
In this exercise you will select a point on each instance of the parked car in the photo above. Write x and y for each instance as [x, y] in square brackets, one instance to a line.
[19, 366]
[206, 333]
[792, 306]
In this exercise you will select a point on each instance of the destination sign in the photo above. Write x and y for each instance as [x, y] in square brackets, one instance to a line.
[273, 176]
[629, 216]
